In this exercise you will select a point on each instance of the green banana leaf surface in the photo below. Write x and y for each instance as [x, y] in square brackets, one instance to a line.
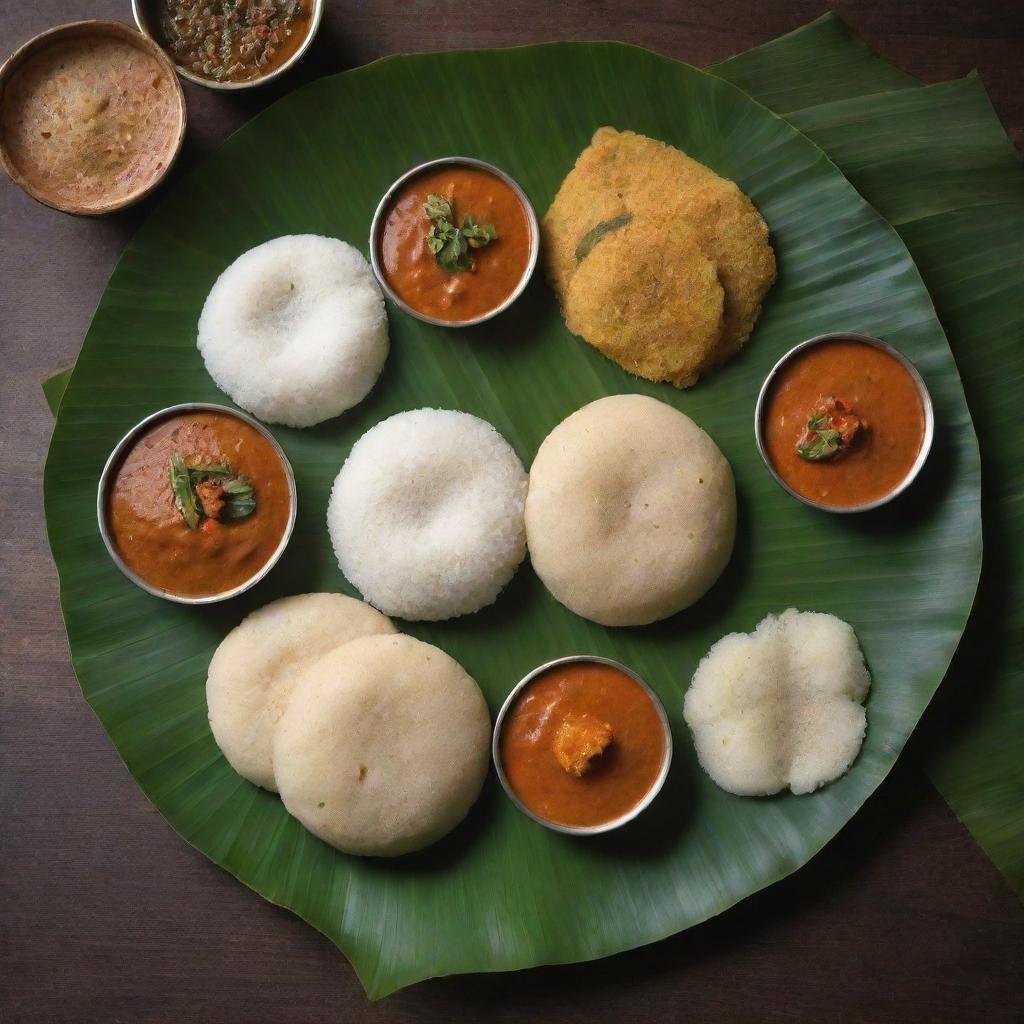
[501, 892]
[937, 164]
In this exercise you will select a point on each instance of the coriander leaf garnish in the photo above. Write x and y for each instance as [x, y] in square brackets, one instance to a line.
[820, 440]
[831, 428]
[438, 208]
[478, 235]
[450, 244]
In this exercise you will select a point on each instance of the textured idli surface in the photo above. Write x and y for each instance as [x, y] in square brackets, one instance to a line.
[295, 330]
[426, 515]
[780, 707]
[384, 746]
[254, 670]
[631, 512]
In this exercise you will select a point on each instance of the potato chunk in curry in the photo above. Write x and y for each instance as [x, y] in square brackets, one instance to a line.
[579, 740]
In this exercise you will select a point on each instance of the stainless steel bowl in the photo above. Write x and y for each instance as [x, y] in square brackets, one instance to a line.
[114, 461]
[575, 830]
[376, 225]
[143, 21]
[926, 404]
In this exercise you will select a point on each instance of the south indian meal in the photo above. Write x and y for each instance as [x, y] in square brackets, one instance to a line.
[379, 743]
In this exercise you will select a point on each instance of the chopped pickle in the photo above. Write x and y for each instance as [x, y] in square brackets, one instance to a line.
[232, 40]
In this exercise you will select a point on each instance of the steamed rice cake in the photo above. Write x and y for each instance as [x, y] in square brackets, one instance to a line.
[384, 746]
[255, 668]
[295, 330]
[780, 707]
[624, 178]
[426, 514]
[631, 511]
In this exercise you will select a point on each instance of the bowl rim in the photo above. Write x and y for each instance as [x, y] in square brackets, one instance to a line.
[760, 410]
[316, 15]
[114, 460]
[462, 161]
[614, 823]
[84, 30]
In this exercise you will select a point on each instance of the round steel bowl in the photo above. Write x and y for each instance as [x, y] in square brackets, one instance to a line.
[114, 461]
[87, 30]
[926, 404]
[377, 224]
[316, 14]
[633, 812]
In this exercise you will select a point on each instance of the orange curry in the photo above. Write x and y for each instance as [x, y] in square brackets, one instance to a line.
[149, 530]
[415, 273]
[582, 745]
[844, 423]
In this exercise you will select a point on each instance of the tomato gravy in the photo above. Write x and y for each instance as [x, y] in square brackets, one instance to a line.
[618, 778]
[414, 273]
[879, 389]
[147, 528]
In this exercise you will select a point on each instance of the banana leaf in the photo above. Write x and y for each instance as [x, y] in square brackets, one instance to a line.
[501, 892]
[937, 164]
[54, 387]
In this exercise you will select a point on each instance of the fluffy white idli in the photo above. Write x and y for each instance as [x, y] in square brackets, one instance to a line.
[295, 329]
[426, 515]
[255, 668]
[384, 746]
[631, 512]
[782, 706]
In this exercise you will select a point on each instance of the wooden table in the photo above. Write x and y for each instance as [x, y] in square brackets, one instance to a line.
[107, 915]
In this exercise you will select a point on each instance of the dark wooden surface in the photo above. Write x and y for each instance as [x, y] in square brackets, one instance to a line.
[107, 916]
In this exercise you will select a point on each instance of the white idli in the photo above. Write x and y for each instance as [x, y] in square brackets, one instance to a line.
[295, 330]
[426, 515]
[255, 668]
[782, 706]
[384, 746]
[631, 512]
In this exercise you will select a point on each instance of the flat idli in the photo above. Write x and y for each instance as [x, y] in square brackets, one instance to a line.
[295, 330]
[384, 746]
[426, 514]
[631, 512]
[255, 668]
[780, 707]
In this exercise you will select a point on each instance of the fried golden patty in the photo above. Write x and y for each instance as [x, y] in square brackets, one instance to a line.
[646, 184]
[647, 297]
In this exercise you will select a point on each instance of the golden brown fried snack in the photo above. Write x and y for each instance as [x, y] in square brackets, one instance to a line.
[622, 173]
[647, 297]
